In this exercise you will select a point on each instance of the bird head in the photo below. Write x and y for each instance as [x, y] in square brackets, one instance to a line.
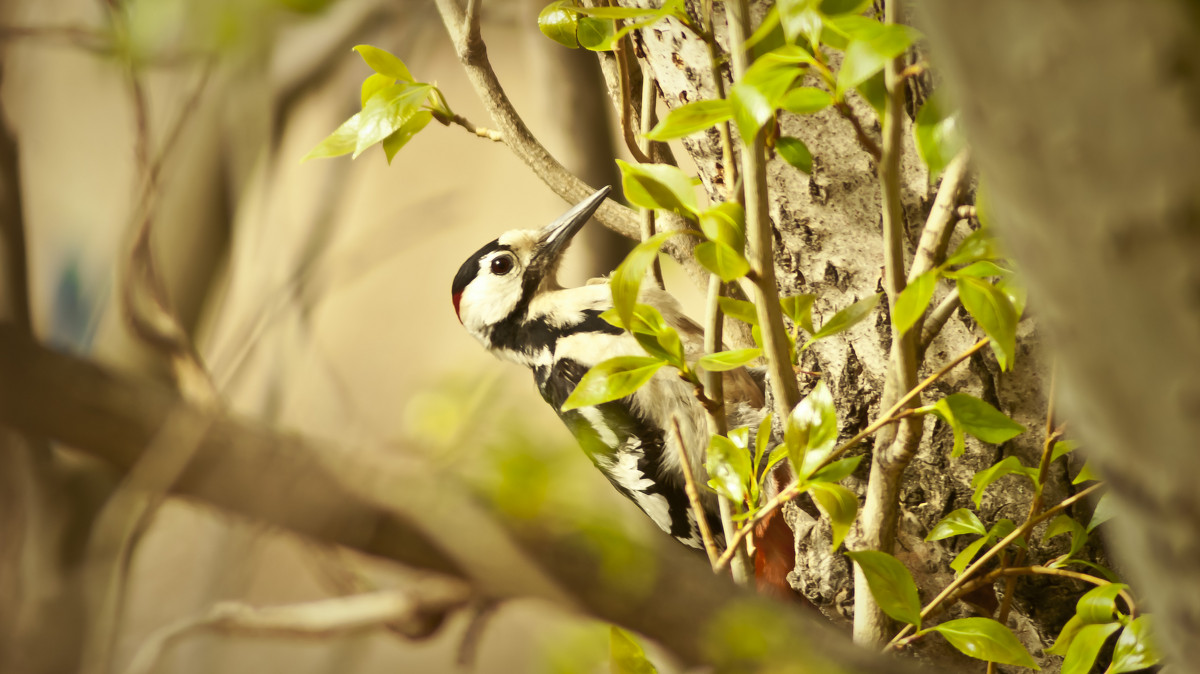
[498, 281]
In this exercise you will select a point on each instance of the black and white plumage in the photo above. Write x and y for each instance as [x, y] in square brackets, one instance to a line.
[507, 296]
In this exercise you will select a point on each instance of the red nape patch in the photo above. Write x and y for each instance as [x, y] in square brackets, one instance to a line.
[456, 298]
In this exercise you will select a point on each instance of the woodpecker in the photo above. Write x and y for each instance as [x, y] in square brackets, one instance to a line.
[507, 296]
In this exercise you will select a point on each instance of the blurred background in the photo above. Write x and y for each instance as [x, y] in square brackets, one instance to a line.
[316, 292]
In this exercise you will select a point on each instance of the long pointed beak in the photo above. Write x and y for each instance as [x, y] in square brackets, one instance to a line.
[558, 234]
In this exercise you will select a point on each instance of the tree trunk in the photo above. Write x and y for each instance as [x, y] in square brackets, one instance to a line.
[1086, 129]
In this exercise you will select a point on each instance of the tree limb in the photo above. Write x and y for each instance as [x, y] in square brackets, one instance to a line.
[400, 508]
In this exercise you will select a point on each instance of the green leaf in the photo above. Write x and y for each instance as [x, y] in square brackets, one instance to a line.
[836, 471]
[794, 152]
[691, 118]
[1105, 511]
[725, 222]
[1135, 648]
[626, 655]
[1065, 524]
[994, 312]
[760, 91]
[620, 12]
[1008, 466]
[387, 111]
[978, 245]
[1085, 645]
[761, 439]
[913, 300]
[982, 420]
[937, 134]
[373, 84]
[1099, 604]
[981, 269]
[1066, 636]
[659, 186]
[891, 585]
[839, 504]
[612, 379]
[798, 309]
[942, 409]
[854, 27]
[1086, 474]
[722, 260]
[835, 7]
[806, 100]
[401, 136]
[384, 63]
[740, 309]
[810, 431]
[1062, 448]
[595, 34]
[963, 559]
[728, 360]
[340, 142]
[728, 468]
[559, 21]
[986, 639]
[626, 280]
[874, 92]
[799, 17]
[961, 521]
[864, 58]
[846, 318]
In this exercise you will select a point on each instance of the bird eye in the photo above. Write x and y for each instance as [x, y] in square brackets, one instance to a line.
[502, 265]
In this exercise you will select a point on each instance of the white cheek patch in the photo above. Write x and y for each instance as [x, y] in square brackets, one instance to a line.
[489, 299]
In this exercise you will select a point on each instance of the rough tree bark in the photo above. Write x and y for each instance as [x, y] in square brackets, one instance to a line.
[829, 243]
[1091, 154]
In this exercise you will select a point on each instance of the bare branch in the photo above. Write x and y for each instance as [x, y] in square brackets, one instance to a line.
[469, 46]
[938, 317]
[936, 236]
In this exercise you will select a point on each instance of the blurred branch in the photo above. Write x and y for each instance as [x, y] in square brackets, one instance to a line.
[395, 506]
[88, 39]
[320, 618]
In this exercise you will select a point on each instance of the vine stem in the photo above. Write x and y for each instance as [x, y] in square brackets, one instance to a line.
[992, 552]
[896, 413]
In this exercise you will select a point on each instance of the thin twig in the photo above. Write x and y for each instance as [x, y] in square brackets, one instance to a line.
[623, 68]
[693, 495]
[868, 143]
[938, 316]
[649, 98]
[481, 131]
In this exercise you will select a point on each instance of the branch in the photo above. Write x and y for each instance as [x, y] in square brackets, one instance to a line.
[877, 521]
[864, 139]
[468, 44]
[938, 317]
[395, 505]
[936, 235]
[759, 240]
[689, 487]
[320, 618]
